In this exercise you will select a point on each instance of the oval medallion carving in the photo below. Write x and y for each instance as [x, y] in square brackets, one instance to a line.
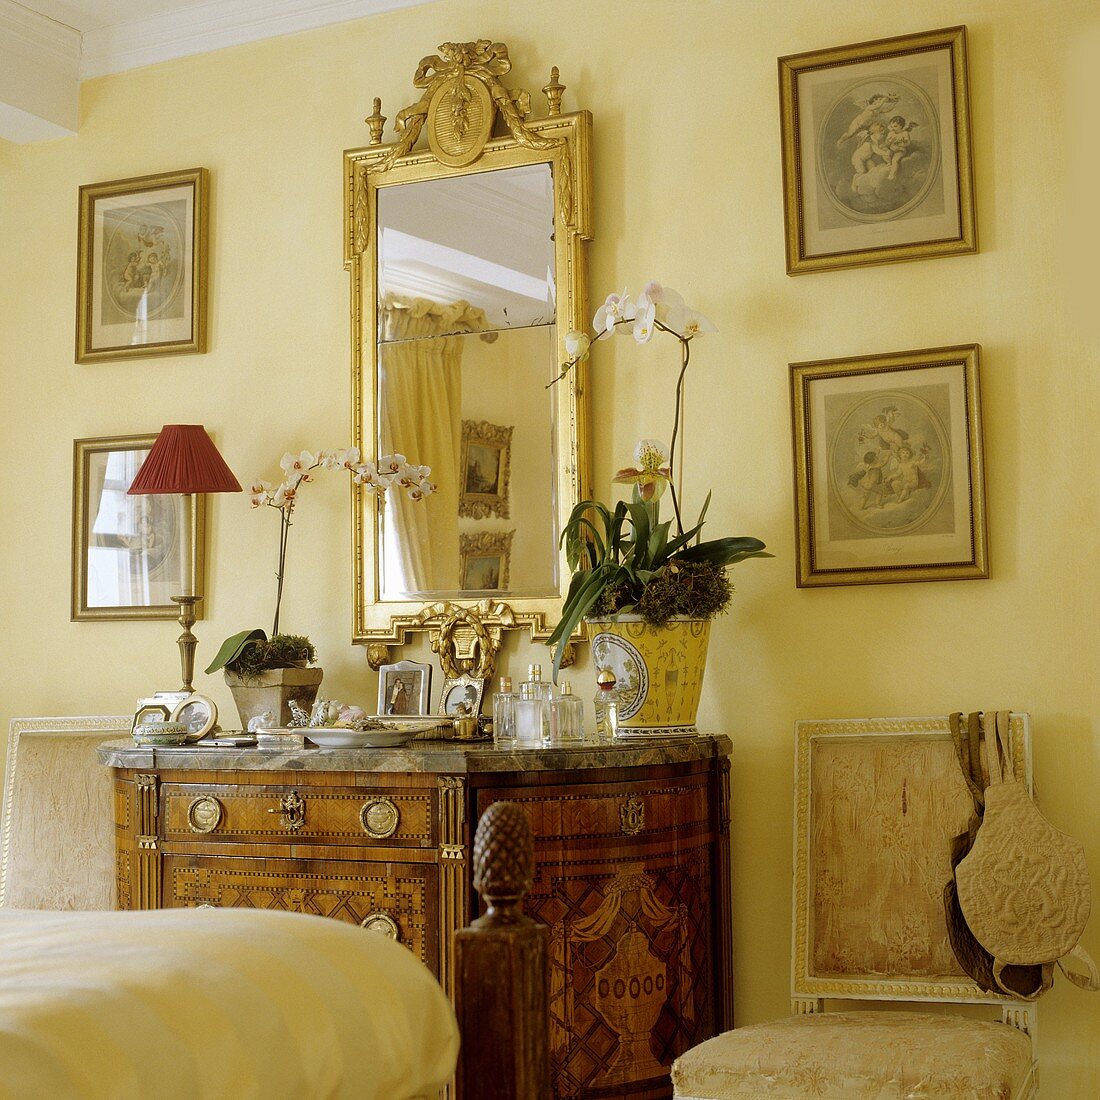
[460, 120]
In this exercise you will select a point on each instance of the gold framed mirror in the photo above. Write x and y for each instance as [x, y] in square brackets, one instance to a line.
[467, 267]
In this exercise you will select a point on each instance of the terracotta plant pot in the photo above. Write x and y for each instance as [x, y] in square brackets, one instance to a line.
[273, 691]
[659, 671]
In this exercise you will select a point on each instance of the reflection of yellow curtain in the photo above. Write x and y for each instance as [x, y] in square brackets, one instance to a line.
[421, 417]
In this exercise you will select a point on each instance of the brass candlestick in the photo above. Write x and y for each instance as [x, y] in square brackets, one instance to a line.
[187, 641]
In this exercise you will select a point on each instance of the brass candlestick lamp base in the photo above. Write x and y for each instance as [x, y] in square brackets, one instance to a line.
[187, 641]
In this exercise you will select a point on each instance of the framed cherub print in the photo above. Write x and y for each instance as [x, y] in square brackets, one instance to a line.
[877, 162]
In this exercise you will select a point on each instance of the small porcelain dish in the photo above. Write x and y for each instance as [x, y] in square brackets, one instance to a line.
[389, 734]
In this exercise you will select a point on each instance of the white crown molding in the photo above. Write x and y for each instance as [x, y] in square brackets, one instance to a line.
[213, 26]
[39, 89]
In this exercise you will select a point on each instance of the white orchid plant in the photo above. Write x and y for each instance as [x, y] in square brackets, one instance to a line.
[392, 471]
[624, 559]
[657, 309]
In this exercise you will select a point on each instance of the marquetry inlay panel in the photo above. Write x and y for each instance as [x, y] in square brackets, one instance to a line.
[631, 958]
[406, 893]
[327, 814]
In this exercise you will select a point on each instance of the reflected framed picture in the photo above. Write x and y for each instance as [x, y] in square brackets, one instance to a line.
[142, 266]
[485, 558]
[486, 455]
[127, 550]
[889, 474]
[404, 688]
[877, 163]
[461, 697]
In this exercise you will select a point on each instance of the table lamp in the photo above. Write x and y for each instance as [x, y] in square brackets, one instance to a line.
[184, 460]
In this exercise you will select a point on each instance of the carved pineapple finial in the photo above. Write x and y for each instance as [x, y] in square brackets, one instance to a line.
[376, 121]
[553, 92]
[504, 861]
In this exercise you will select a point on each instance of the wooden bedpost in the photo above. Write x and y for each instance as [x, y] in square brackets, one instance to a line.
[500, 970]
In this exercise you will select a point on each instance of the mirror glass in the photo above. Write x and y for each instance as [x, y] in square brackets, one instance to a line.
[466, 347]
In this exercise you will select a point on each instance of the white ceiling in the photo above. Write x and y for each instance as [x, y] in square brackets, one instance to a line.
[48, 46]
[86, 15]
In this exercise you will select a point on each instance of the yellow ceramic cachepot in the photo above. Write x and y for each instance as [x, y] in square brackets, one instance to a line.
[659, 670]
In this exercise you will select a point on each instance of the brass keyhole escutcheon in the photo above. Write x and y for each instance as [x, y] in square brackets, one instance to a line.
[293, 810]
[204, 814]
[381, 921]
[632, 816]
[379, 818]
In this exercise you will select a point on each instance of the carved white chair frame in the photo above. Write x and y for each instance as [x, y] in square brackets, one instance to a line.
[809, 989]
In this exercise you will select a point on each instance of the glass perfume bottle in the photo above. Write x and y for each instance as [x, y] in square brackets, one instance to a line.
[531, 717]
[504, 714]
[565, 717]
[606, 705]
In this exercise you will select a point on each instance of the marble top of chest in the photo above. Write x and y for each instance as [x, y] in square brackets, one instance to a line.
[420, 756]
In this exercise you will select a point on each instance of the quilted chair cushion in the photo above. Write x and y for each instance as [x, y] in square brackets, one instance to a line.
[860, 1056]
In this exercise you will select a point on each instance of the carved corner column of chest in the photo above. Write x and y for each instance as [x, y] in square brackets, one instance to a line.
[145, 888]
[723, 887]
[454, 886]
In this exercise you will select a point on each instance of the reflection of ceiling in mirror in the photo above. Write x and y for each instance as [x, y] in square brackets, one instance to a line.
[485, 238]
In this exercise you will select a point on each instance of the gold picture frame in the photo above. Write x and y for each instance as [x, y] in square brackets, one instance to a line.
[142, 268]
[889, 471]
[486, 458]
[127, 547]
[461, 696]
[485, 560]
[877, 160]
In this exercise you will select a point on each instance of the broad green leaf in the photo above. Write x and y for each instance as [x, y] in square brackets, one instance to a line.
[233, 647]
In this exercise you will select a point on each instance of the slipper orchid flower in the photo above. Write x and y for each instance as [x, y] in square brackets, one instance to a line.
[651, 474]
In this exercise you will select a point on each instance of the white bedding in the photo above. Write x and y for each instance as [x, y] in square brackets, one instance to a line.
[215, 1003]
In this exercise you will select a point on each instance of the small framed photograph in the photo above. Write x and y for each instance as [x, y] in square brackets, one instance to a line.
[889, 475]
[127, 550]
[142, 267]
[485, 559]
[877, 163]
[404, 688]
[146, 710]
[486, 455]
[198, 713]
[461, 696]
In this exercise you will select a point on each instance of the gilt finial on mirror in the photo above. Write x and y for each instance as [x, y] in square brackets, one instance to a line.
[376, 121]
[553, 92]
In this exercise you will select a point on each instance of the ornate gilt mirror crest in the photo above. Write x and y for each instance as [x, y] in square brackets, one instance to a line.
[467, 270]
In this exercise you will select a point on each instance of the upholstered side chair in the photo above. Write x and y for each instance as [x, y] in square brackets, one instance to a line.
[877, 805]
[57, 832]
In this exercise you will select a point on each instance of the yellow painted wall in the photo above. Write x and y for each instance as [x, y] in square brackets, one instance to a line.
[688, 191]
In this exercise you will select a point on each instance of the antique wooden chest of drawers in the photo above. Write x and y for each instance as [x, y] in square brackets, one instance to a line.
[632, 870]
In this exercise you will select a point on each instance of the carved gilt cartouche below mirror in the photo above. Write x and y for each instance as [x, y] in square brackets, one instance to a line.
[466, 257]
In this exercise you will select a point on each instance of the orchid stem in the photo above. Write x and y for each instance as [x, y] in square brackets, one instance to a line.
[283, 535]
[673, 466]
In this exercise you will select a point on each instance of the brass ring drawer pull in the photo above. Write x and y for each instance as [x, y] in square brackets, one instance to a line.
[204, 814]
[379, 818]
[293, 810]
[381, 921]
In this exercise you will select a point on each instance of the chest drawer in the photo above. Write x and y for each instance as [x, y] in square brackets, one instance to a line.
[585, 814]
[400, 900]
[278, 814]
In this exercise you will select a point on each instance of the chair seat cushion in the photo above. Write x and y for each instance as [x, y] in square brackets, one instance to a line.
[860, 1056]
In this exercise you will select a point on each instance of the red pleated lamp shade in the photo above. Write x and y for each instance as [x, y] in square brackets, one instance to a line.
[184, 460]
